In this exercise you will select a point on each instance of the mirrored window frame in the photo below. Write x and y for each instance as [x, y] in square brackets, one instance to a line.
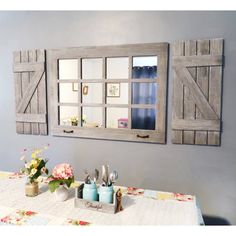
[126, 134]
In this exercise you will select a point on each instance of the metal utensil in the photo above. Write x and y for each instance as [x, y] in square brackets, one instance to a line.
[87, 177]
[96, 175]
[105, 174]
[113, 177]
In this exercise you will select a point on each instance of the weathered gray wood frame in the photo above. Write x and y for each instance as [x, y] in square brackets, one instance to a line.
[30, 92]
[197, 91]
[152, 49]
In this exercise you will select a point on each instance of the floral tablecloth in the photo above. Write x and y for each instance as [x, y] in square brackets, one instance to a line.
[141, 207]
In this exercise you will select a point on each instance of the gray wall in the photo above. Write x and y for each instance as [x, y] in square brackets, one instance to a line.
[207, 172]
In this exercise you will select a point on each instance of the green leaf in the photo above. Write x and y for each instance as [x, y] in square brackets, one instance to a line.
[53, 185]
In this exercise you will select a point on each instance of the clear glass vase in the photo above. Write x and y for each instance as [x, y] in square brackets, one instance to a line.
[31, 188]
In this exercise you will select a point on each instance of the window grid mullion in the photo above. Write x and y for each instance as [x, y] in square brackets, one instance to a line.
[103, 92]
[80, 113]
[130, 92]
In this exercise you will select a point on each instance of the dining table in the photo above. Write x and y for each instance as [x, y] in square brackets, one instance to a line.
[140, 206]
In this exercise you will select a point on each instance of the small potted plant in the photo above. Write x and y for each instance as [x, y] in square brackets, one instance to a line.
[90, 188]
[60, 181]
[74, 121]
[33, 169]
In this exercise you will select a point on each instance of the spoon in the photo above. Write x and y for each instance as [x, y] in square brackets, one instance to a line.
[113, 177]
[96, 175]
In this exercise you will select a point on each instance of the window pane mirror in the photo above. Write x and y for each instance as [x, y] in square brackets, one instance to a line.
[117, 68]
[68, 93]
[110, 92]
[144, 67]
[92, 68]
[117, 117]
[68, 69]
[68, 115]
[92, 117]
[91, 92]
[143, 119]
[117, 93]
[144, 93]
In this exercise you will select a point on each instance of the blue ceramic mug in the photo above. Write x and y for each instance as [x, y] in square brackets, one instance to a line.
[90, 192]
[106, 194]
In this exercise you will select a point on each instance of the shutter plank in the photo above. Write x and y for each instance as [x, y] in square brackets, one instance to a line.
[215, 85]
[197, 94]
[177, 102]
[196, 124]
[189, 105]
[202, 81]
[25, 83]
[18, 90]
[34, 99]
[42, 104]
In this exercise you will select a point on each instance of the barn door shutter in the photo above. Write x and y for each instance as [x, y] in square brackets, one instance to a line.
[196, 111]
[30, 92]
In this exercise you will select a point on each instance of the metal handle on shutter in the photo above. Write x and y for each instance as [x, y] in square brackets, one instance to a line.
[142, 136]
[68, 131]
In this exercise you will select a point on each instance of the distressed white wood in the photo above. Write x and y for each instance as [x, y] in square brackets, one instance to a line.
[25, 76]
[28, 66]
[30, 83]
[18, 90]
[31, 118]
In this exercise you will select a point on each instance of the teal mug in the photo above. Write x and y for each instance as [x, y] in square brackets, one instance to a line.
[106, 194]
[90, 192]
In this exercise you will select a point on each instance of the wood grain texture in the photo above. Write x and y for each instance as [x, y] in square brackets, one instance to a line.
[189, 105]
[31, 118]
[200, 72]
[42, 94]
[197, 92]
[202, 82]
[155, 136]
[177, 101]
[184, 124]
[202, 60]
[34, 99]
[215, 91]
[25, 84]
[18, 90]
[30, 92]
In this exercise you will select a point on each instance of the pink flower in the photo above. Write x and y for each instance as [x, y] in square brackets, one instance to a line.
[62, 171]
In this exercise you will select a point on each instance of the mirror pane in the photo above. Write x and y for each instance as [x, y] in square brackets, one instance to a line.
[117, 93]
[68, 69]
[92, 68]
[117, 68]
[116, 117]
[68, 92]
[92, 117]
[144, 67]
[143, 118]
[68, 115]
[144, 93]
[91, 92]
